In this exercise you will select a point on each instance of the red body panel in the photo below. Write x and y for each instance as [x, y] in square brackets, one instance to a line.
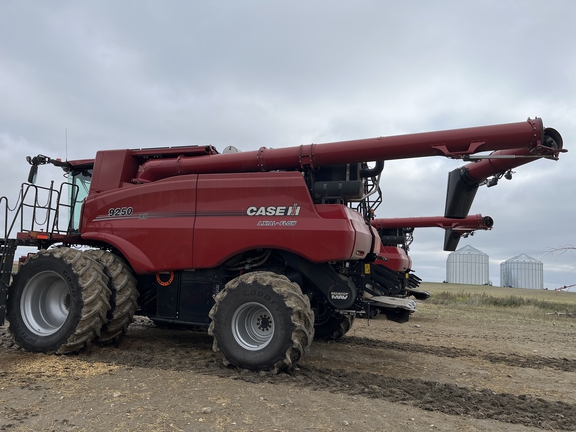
[202, 221]
[112, 168]
[158, 232]
[230, 219]
[395, 258]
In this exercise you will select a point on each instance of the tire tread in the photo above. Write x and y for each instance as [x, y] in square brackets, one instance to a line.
[301, 315]
[123, 298]
[95, 294]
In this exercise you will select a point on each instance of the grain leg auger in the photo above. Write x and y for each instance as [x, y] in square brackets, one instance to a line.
[267, 249]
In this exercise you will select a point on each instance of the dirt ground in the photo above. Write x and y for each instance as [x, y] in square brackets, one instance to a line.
[447, 369]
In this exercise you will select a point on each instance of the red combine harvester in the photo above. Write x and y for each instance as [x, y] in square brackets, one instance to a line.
[267, 249]
[396, 237]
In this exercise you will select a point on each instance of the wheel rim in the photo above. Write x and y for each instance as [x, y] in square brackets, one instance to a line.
[45, 303]
[253, 326]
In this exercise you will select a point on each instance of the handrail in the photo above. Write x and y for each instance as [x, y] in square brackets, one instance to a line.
[44, 203]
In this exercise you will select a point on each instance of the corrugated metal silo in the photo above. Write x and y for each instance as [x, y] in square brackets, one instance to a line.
[522, 271]
[468, 265]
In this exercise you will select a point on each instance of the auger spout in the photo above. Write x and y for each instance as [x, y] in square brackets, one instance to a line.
[457, 143]
[463, 182]
[470, 223]
[455, 228]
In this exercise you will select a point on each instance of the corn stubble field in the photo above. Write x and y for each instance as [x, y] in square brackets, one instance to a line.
[473, 358]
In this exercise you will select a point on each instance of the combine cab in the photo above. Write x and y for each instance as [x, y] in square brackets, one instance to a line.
[267, 249]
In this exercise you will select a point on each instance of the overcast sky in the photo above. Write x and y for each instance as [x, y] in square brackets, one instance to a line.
[134, 74]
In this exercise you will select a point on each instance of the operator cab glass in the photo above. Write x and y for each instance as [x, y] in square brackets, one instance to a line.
[78, 191]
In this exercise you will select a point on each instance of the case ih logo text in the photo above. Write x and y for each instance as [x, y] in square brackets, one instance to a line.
[293, 210]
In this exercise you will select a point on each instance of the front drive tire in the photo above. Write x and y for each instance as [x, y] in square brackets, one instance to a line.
[124, 297]
[262, 321]
[58, 301]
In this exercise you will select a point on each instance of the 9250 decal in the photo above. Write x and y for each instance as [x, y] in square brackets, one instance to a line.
[120, 211]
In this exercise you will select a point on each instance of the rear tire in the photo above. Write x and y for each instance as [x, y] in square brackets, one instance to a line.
[334, 328]
[262, 321]
[123, 298]
[331, 325]
[58, 301]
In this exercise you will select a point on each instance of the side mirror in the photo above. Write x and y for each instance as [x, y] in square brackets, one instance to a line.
[32, 174]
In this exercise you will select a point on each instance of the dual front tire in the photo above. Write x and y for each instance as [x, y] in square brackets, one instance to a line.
[62, 299]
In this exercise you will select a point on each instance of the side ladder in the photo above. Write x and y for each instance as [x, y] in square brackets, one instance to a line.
[7, 251]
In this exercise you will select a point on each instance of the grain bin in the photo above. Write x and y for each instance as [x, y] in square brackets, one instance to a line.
[522, 271]
[468, 265]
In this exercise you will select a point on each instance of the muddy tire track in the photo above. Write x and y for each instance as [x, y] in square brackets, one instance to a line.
[522, 361]
[511, 359]
[447, 398]
[192, 351]
[150, 348]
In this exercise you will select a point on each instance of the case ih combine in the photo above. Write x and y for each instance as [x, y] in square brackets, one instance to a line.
[267, 249]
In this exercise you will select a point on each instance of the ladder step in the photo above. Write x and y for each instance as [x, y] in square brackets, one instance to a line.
[7, 251]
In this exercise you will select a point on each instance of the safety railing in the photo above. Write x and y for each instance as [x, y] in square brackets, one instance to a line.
[39, 209]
